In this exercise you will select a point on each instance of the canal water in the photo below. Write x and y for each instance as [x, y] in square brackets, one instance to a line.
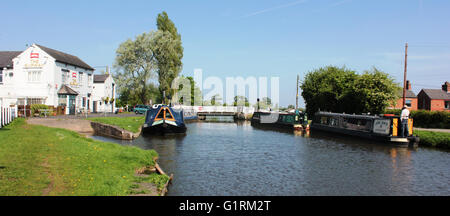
[238, 159]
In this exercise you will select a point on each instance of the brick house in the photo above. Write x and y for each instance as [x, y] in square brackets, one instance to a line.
[410, 101]
[435, 99]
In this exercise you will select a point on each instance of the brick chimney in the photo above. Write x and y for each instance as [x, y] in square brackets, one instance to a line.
[446, 87]
[408, 85]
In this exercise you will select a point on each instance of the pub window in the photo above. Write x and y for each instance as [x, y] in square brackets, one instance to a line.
[31, 101]
[447, 104]
[21, 101]
[62, 100]
[64, 75]
[34, 76]
[89, 79]
[1, 76]
[80, 81]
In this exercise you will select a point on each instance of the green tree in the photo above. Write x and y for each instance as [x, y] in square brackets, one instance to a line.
[215, 100]
[241, 100]
[194, 92]
[264, 103]
[342, 90]
[169, 53]
[135, 65]
[376, 90]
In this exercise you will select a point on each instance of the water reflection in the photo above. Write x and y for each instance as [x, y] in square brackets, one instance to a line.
[238, 159]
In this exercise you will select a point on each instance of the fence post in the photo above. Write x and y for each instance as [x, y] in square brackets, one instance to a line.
[1, 125]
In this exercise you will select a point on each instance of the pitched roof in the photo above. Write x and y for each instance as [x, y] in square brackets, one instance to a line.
[6, 58]
[409, 94]
[437, 94]
[66, 90]
[100, 78]
[65, 58]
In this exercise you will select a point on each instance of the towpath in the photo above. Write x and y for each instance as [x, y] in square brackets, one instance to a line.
[81, 126]
[433, 129]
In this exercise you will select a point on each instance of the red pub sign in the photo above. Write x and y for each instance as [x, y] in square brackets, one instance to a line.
[34, 55]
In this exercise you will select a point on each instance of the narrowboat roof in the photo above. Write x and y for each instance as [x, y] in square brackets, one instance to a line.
[320, 113]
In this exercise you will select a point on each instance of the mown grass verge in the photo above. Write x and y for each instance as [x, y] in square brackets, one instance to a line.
[433, 139]
[132, 124]
[37, 160]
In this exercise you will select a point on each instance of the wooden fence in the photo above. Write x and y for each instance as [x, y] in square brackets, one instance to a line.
[7, 115]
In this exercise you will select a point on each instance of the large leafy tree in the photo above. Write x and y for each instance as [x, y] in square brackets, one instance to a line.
[339, 89]
[377, 90]
[168, 54]
[136, 64]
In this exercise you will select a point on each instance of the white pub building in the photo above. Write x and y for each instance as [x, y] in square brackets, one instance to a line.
[40, 75]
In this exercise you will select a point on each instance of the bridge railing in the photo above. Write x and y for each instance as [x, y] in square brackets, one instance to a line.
[216, 109]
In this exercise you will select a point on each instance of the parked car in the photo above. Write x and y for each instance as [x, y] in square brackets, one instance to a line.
[141, 109]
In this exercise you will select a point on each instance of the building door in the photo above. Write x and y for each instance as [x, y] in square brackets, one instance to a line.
[71, 105]
[95, 106]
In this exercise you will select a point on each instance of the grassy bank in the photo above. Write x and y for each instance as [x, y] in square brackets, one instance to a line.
[434, 139]
[37, 160]
[132, 124]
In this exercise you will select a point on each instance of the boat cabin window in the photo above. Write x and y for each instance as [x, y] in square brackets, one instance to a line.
[161, 114]
[324, 120]
[334, 121]
[331, 121]
[356, 124]
[168, 115]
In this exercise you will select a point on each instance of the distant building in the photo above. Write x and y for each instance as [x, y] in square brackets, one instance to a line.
[435, 99]
[410, 101]
[40, 75]
[104, 88]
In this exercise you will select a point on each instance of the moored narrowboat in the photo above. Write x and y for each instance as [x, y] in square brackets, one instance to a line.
[385, 128]
[162, 119]
[281, 120]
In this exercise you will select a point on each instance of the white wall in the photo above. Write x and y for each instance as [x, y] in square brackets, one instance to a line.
[49, 82]
[103, 90]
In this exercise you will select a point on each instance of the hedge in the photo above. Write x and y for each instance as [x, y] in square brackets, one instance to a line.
[434, 139]
[427, 119]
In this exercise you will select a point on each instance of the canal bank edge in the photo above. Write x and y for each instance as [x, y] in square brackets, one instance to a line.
[103, 129]
[116, 132]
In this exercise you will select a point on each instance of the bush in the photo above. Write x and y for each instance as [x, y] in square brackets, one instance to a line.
[427, 119]
[36, 107]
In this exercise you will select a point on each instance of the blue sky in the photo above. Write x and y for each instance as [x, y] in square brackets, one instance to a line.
[250, 38]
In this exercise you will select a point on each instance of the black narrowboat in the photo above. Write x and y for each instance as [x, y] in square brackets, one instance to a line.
[162, 119]
[384, 128]
[280, 120]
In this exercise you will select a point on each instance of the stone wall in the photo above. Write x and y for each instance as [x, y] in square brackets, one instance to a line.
[101, 129]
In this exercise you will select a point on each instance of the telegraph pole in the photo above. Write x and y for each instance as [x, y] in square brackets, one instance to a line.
[296, 98]
[404, 76]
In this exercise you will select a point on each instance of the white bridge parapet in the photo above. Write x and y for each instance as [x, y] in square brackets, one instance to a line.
[216, 109]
